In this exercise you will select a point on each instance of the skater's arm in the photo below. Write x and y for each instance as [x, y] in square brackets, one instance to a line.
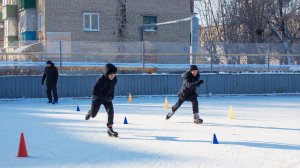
[113, 92]
[189, 83]
[97, 86]
[193, 84]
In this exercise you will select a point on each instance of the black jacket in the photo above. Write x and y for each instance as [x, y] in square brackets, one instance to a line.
[50, 74]
[189, 86]
[104, 88]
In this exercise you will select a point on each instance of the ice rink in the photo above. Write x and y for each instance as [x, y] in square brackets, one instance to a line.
[265, 133]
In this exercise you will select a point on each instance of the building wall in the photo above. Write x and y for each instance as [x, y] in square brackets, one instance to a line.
[1, 29]
[67, 16]
[166, 10]
[41, 34]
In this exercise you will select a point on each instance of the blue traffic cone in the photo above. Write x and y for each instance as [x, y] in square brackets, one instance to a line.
[78, 109]
[125, 121]
[53, 102]
[215, 140]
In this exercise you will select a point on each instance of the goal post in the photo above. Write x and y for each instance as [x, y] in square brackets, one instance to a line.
[194, 34]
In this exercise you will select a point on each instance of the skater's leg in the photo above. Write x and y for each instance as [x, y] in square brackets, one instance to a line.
[95, 106]
[174, 108]
[195, 105]
[54, 91]
[177, 104]
[110, 119]
[110, 113]
[197, 119]
[48, 92]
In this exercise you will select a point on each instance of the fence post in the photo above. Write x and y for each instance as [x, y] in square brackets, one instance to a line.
[143, 55]
[60, 55]
[211, 57]
[268, 61]
[194, 39]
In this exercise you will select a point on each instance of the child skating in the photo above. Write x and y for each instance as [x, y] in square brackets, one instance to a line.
[103, 93]
[191, 80]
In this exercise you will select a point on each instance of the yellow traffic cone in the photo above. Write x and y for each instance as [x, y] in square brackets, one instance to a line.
[129, 98]
[166, 104]
[230, 114]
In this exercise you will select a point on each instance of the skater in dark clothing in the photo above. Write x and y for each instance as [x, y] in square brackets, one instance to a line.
[191, 80]
[103, 93]
[51, 76]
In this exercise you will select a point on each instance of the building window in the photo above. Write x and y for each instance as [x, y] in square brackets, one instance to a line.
[150, 20]
[91, 22]
[40, 21]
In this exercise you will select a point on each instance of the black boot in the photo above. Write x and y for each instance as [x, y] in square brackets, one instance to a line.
[169, 115]
[197, 119]
[111, 132]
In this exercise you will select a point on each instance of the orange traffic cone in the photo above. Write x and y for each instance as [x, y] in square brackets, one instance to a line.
[129, 98]
[22, 147]
[230, 114]
[166, 104]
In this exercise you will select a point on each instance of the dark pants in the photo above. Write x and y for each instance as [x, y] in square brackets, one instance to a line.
[180, 102]
[96, 103]
[52, 88]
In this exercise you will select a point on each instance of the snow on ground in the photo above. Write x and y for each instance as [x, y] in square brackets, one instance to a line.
[265, 133]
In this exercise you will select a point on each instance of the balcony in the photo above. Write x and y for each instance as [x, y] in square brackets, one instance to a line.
[10, 41]
[9, 2]
[10, 27]
[27, 20]
[28, 35]
[9, 11]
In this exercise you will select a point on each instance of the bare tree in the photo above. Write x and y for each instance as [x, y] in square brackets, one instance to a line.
[248, 22]
[283, 20]
[211, 25]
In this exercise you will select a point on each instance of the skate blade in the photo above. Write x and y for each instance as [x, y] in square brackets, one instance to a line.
[198, 122]
[113, 136]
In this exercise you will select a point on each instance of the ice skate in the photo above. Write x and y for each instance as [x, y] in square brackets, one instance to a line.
[169, 115]
[111, 132]
[197, 119]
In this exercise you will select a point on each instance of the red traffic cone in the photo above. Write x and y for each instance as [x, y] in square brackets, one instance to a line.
[22, 147]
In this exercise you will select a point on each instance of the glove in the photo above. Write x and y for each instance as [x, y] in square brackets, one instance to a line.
[201, 82]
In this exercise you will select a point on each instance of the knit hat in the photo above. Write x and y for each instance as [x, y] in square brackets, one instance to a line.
[193, 67]
[48, 62]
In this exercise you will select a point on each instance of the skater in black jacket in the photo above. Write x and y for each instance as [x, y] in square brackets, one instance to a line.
[103, 93]
[51, 76]
[191, 80]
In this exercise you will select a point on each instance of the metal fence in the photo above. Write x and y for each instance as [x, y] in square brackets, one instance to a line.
[87, 57]
[80, 86]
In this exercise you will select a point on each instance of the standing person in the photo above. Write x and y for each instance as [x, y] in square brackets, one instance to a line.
[191, 80]
[51, 76]
[103, 93]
